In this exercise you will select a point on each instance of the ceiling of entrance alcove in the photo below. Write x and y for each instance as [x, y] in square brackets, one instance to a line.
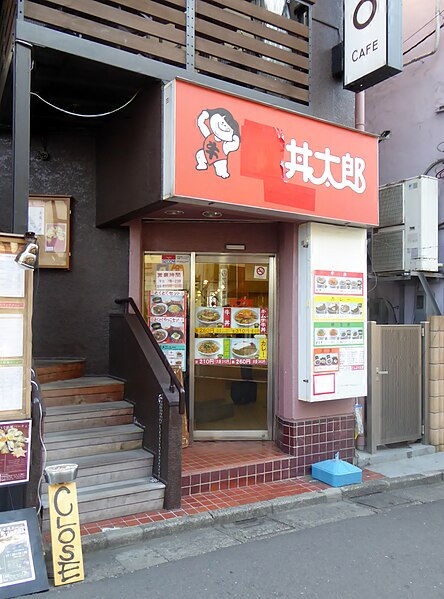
[181, 211]
[72, 84]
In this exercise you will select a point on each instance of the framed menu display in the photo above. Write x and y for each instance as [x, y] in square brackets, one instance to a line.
[49, 219]
[15, 331]
[332, 312]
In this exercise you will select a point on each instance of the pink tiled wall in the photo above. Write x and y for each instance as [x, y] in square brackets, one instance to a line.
[312, 441]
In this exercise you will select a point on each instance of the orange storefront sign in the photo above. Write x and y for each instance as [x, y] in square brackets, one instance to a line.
[223, 149]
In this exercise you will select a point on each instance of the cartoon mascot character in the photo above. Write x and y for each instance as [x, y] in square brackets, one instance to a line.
[222, 136]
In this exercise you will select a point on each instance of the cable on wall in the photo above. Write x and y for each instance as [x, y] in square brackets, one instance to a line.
[85, 116]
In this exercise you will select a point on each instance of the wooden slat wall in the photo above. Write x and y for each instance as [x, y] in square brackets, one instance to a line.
[235, 40]
[261, 49]
[154, 29]
[7, 26]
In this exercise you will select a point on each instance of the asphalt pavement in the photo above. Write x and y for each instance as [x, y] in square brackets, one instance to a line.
[386, 543]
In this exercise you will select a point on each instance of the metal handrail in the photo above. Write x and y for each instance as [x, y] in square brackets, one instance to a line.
[174, 381]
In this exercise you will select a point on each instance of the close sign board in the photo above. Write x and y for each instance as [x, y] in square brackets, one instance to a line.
[372, 42]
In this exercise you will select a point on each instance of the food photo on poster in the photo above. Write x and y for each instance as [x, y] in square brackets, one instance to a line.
[231, 351]
[167, 303]
[231, 320]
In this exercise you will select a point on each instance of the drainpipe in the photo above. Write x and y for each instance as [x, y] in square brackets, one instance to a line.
[360, 111]
[437, 36]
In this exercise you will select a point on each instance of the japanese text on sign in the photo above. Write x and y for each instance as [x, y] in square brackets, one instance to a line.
[352, 168]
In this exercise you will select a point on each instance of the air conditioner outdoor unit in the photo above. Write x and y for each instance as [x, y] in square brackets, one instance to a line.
[407, 239]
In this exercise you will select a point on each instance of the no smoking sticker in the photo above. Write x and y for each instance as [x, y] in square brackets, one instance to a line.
[260, 272]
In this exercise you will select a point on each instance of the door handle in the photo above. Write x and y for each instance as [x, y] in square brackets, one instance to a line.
[381, 371]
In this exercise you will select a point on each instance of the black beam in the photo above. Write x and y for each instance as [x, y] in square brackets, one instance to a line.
[21, 136]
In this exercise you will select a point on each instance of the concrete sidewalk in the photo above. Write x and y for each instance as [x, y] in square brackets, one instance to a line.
[396, 471]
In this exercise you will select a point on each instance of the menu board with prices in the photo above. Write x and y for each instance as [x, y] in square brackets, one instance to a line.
[231, 351]
[338, 333]
[332, 323]
[330, 282]
[15, 440]
[167, 312]
[346, 307]
[239, 320]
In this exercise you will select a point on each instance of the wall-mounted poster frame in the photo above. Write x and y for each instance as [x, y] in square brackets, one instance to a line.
[15, 331]
[49, 219]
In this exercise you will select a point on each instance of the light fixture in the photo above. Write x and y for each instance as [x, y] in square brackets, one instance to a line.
[27, 258]
[211, 214]
[384, 135]
[235, 246]
[174, 212]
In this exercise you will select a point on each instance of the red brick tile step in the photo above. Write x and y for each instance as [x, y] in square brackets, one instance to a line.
[211, 466]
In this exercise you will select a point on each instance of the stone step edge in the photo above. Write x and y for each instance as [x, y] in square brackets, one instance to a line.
[105, 490]
[89, 408]
[84, 433]
[116, 458]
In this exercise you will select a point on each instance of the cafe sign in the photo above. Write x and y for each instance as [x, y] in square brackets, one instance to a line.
[305, 167]
[372, 42]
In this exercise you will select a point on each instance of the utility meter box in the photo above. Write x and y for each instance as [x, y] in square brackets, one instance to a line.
[407, 239]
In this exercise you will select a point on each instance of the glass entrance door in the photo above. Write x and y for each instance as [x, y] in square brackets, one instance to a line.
[231, 349]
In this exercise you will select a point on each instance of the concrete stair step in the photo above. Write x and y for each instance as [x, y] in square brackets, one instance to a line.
[86, 389]
[71, 444]
[392, 454]
[110, 467]
[112, 500]
[78, 416]
[58, 369]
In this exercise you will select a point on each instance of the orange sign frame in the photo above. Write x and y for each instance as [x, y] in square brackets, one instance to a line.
[276, 162]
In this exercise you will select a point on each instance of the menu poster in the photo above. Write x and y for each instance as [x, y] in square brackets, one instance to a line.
[168, 330]
[337, 307]
[329, 282]
[15, 441]
[326, 360]
[332, 300]
[231, 320]
[22, 566]
[167, 311]
[176, 355]
[167, 303]
[347, 329]
[231, 351]
[338, 333]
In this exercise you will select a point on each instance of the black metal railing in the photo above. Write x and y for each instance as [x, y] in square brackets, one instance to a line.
[174, 381]
[152, 386]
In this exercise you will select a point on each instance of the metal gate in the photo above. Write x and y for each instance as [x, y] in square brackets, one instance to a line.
[398, 355]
